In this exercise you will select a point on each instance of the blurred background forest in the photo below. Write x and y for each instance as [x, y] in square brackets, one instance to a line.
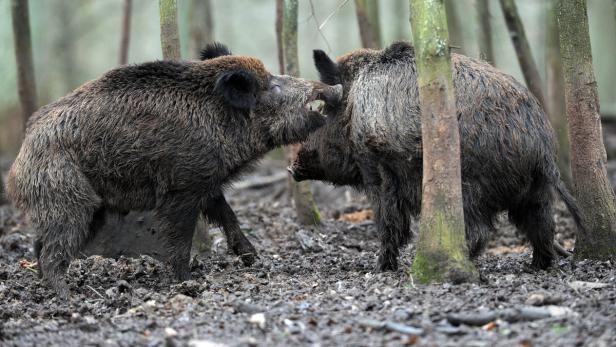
[76, 41]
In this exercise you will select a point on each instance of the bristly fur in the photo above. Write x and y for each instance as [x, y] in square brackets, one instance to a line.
[165, 136]
[214, 50]
[373, 143]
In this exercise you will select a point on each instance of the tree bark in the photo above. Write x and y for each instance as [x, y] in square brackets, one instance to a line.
[588, 158]
[279, 48]
[305, 207]
[442, 254]
[169, 37]
[522, 49]
[170, 43]
[486, 48]
[454, 26]
[26, 86]
[66, 29]
[2, 197]
[402, 28]
[125, 39]
[369, 24]
[556, 94]
[201, 26]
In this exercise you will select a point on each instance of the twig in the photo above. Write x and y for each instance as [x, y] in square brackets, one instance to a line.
[95, 291]
[316, 22]
[260, 182]
[332, 14]
[524, 313]
[392, 326]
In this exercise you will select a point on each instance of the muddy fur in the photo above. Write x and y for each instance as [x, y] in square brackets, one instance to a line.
[374, 144]
[164, 136]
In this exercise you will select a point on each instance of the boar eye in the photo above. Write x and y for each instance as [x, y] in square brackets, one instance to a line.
[275, 89]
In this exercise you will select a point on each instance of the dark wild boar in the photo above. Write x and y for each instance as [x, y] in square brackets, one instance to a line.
[164, 136]
[374, 144]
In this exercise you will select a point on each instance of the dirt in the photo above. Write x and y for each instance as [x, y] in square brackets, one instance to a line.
[310, 286]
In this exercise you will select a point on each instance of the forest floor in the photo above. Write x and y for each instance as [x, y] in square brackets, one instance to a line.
[310, 286]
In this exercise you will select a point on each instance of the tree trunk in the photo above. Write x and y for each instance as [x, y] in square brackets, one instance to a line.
[169, 37]
[442, 254]
[26, 86]
[486, 48]
[522, 49]
[305, 207]
[556, 94]
[369, 24]
[2, 198]
[279, 48]
[588, 158]
[170, 43]
[65, 28]
[201, 26]
[454, 26]
[125, 39]
[402, 29]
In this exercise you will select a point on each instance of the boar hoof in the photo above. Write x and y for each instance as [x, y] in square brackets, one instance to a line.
[182, 272]
[385, 264]
[245, 250]
[247, 253]
[62, 292]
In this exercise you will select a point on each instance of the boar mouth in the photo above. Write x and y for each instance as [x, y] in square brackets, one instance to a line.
[316, 106]
[300, 173]
[296, 173]
[323, 95]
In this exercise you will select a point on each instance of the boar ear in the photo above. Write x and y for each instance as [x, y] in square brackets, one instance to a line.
[214, 50]
[239, 88]
[328, 69]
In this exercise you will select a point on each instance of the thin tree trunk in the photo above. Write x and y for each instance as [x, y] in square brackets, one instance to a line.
[556, 94]
[305, 207]
[442, 254]
[588, 158]
[64, 48]
[170, 43]
[2, 197]
[201, 26]
[279, 48]
[522, 49]
[26, 86]
[125, 39]
[454, 26]
[402, 29]
[368, 21]
[169, 37]
[486, 48]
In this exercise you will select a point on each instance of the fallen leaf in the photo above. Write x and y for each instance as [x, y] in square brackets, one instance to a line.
[411, 340]
[26, 264]
[357, 217]
[490, 326]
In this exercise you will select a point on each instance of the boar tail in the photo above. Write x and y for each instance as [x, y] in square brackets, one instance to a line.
[572, 206]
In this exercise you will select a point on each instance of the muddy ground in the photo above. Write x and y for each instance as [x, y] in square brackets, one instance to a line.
[311, 286]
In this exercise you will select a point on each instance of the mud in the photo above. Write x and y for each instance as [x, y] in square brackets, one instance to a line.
[310, 286]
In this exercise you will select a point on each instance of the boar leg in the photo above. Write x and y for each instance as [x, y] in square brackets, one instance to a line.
[98, 220]
[392, 215]
[477, 231]
[218, 211]
[177, 216]
[62, 214]
[534, 219]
